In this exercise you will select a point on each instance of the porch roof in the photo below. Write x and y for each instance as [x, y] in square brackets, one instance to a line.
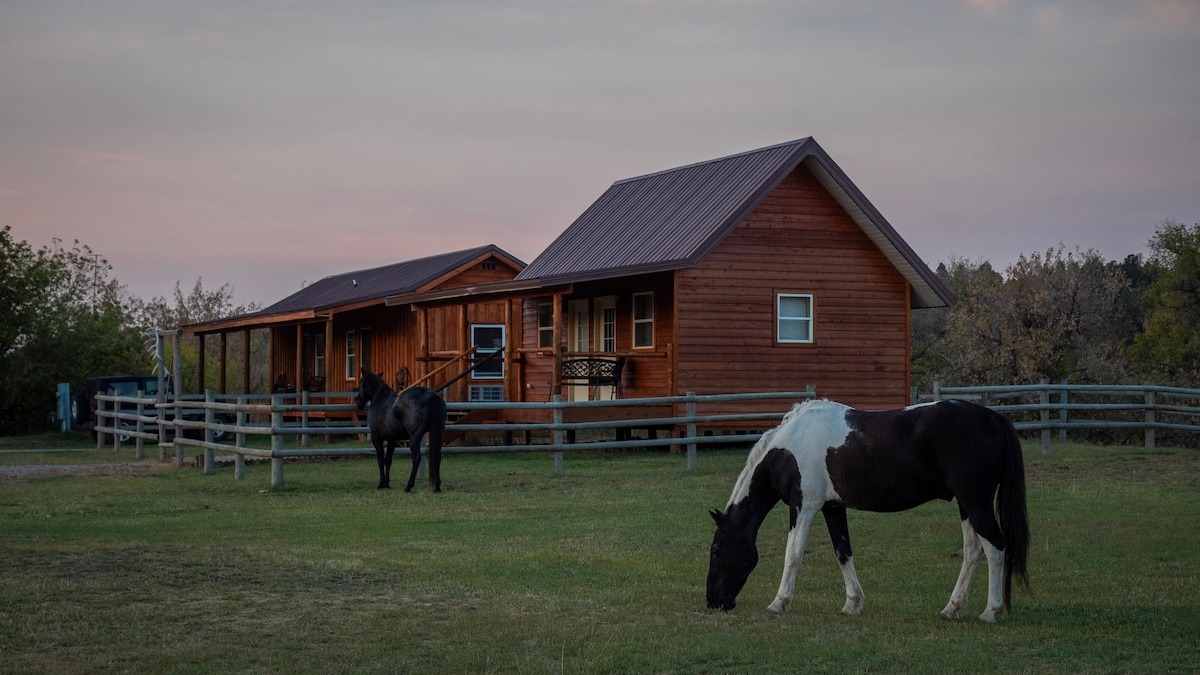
[362, 288]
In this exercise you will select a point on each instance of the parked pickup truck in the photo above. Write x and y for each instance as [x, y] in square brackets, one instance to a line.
[83, 404]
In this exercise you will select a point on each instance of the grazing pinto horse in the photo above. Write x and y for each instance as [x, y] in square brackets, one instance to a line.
[828, 457]
[407, 415]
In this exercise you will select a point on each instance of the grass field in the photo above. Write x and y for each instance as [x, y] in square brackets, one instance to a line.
[514, 569]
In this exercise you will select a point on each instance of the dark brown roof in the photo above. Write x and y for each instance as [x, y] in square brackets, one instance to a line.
[371, 285]
[672, 219]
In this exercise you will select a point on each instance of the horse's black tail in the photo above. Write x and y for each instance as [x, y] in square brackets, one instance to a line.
[1014, 522]
[437, 428]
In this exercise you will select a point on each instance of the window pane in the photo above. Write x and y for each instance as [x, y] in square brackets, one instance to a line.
[794, 307]
[643, 335]
[643, 306]
[545, 324]
[792, 330]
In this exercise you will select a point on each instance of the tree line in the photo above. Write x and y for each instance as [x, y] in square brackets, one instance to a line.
[63, 318]
[1068, 315]
[1057, 314]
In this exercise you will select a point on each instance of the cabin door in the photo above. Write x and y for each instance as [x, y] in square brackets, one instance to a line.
[579, 340]
[605, 335]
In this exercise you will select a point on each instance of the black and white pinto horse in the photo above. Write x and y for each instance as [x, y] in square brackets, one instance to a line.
[410, 415]
[828, 457]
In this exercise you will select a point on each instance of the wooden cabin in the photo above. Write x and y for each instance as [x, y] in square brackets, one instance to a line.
[767, 270]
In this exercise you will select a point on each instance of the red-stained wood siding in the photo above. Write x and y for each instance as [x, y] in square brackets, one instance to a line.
[798, 240]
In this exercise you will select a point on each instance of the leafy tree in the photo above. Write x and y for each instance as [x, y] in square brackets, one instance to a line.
[1169, 347]
[63, 319]
[1048, 316]
[199, 306]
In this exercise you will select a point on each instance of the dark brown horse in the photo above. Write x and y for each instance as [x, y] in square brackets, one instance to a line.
[409, 415]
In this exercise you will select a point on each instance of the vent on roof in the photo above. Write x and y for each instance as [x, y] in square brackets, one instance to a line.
[487, 266]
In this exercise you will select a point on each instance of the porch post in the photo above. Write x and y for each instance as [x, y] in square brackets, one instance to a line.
[200, 387]
[559, 331]
[224, 358]
[246, 361]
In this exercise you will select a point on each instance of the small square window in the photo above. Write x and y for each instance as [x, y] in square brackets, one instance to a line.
[795, 317]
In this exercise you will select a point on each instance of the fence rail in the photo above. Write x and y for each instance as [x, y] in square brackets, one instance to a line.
[1154, 407]
[276, 414]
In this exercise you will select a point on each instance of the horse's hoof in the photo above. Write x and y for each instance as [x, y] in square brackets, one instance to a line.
[777, 607]
[384, 487]
[408, 488]
[987, 617]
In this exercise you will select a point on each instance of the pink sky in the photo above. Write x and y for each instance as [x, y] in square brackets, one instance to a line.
[273, 143]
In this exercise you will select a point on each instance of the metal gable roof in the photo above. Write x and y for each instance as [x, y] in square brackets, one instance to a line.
[672, 219]
[375, 284]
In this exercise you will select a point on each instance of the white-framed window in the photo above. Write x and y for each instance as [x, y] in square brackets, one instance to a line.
[794, 317]
[489, 338]
[351, 355]
[643, 320]
[545, 329]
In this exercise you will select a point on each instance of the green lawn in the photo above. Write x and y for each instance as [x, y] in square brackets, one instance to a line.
[514, 569]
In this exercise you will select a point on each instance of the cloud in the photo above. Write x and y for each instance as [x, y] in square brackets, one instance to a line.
[1171, 16]
[989, 7]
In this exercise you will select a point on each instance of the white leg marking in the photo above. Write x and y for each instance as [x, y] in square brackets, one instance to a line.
[995, 606]
[854, 591]
[972, 554]
[797, 537]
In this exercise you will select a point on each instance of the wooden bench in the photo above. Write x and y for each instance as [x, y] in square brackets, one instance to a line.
[594, 372]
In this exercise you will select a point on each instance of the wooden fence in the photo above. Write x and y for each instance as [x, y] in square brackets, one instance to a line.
[286, 415]
[1063, 407]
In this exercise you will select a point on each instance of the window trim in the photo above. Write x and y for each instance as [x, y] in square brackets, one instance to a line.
[351, 354]
[780, 318]
[481, 352]
[636, 321]
[547, 329]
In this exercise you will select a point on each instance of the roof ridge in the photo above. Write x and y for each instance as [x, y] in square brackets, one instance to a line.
[798, 141]
[406, 262]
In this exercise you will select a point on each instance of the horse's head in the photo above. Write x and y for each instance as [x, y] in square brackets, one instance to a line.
[732, 558]
[368, 383]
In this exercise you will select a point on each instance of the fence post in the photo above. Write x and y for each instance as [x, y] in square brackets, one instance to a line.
[1044, 399]
[239, 460]
[1150, 415]
[556, 436]
[985, 398]
[937, 391]
[276, 441]
[139, 426]
[304, 418]
[1062, 412]
[177, 393]
[691, 430]
[209, 458]
[116, 425]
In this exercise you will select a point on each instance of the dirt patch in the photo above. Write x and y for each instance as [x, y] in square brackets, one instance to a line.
[126, 469]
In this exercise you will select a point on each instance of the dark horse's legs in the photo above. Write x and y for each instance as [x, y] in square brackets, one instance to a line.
[414, 448]
[385, 462]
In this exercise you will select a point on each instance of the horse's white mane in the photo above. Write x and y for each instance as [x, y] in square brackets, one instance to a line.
[760, 449]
